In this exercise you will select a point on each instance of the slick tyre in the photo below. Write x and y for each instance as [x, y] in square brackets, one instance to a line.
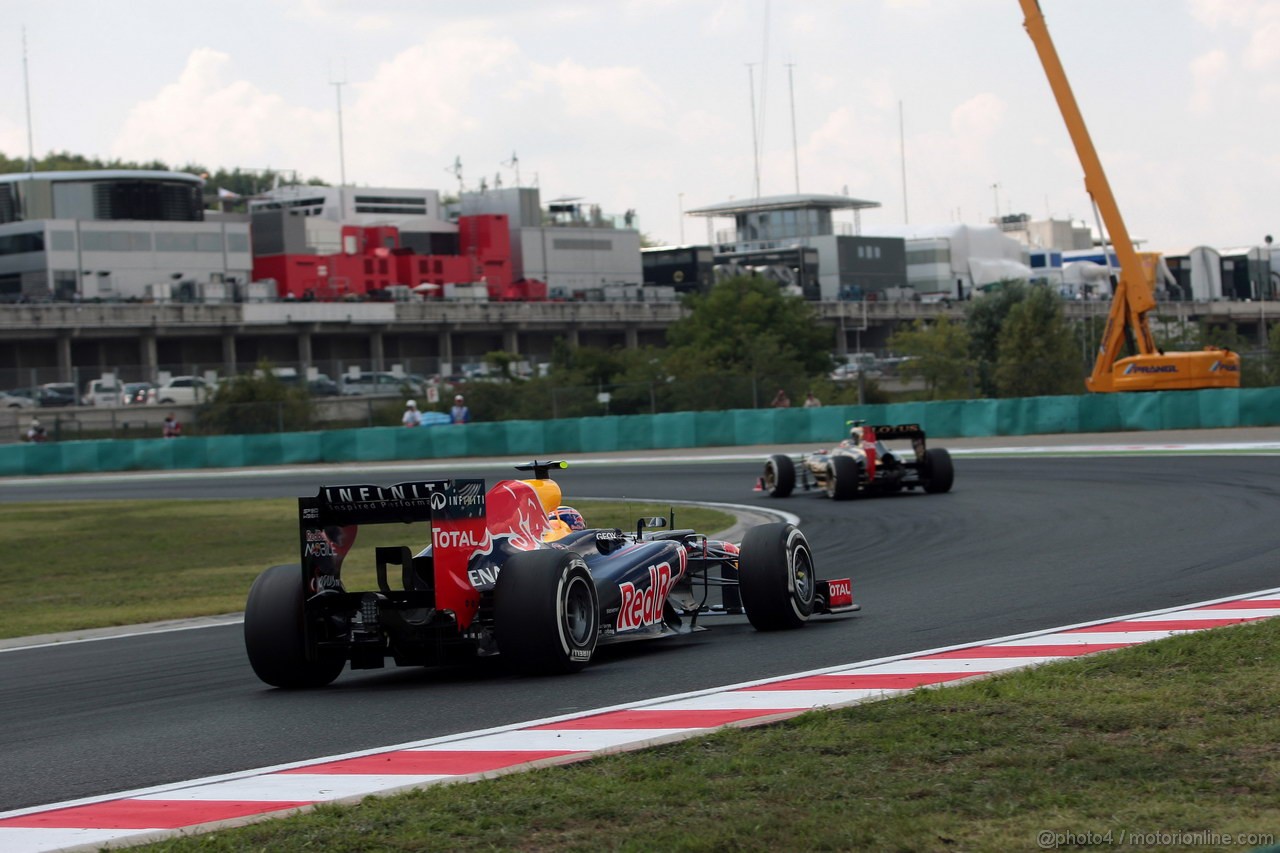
[274, 636]
[939, 473]
[546, 612]
[779, 476]
[776, 577]
[844, 478]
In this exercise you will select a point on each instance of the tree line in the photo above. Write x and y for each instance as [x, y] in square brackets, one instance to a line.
[239, 181]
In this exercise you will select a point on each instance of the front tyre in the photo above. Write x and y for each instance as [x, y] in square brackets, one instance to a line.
[776, 577]
[844, 478]
[939, 473]
[546, 612]
[274, 635]
[779, 476]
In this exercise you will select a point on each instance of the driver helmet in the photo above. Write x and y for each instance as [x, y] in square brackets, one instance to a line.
[570, 516]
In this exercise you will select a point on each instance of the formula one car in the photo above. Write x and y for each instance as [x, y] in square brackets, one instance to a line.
[502, 577]
[862, 465]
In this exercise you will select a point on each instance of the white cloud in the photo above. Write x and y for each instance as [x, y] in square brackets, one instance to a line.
[206, 117]
[425, 102]
[1264, 45]
[339, 16]
[608, 95]
[1208, 72]
[978, 118]
[1232, 13]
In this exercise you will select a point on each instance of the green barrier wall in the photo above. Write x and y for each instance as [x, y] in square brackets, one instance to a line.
[744, 427]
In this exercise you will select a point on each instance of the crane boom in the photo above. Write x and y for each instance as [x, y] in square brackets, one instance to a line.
[1134, 294]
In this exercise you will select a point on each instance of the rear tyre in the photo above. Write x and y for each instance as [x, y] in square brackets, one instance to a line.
[844, 478]
[939, 473]
[546, 612]
[776, 577]
[274, 635]
[779, 476]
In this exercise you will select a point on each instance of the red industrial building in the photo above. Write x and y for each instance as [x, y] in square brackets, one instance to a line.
[374, 260]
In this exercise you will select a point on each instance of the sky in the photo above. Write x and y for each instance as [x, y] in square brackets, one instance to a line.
[937, 109]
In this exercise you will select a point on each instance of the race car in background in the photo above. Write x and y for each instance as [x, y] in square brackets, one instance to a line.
[500, 577]
[862, 465]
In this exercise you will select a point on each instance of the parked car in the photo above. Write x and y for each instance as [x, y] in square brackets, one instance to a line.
[102, 392]
[9, 400]
[182, 391]
[319, 385]
[135, 393]
[57, 394]
[378, 382]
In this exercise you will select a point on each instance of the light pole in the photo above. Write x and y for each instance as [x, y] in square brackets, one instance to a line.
[680, 201]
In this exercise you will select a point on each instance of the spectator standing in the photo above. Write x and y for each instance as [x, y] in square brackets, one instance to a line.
[781, 400]
[811, 401]
[411, 417]
[459, 414]
[171, 428]
[36, 432]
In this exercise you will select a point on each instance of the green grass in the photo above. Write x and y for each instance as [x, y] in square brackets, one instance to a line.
[91, 564]
[1178, 736]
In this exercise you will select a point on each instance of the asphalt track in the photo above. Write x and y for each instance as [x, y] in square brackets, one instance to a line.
[1020, 544]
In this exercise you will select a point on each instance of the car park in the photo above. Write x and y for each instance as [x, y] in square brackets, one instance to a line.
[862, 465]
[506, 575]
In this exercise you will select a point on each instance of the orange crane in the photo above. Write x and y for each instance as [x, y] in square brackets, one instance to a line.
[1151, 369]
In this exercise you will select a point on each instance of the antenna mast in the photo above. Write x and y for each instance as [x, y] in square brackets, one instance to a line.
[902, 154]
[342, 156]
[755, 136]
[26, 84]
[795, 148]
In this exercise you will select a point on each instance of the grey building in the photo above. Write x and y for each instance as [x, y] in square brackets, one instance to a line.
[573, 246]
[785, 232]
[117, 234]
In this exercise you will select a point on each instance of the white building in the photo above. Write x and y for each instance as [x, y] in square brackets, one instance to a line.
[117, 234]
[953, 260]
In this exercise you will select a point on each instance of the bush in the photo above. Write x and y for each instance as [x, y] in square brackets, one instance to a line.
[255, 403]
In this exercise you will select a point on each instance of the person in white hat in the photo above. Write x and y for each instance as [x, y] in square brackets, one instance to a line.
[412, 417]
[459, 414]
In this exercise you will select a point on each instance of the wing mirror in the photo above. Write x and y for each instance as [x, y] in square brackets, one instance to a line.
[643, 524]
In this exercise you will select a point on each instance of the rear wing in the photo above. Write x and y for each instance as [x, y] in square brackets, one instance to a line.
[902, 432]
[329, 521]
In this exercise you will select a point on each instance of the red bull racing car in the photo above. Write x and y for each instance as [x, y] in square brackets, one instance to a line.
[862, 465]
[505, 574]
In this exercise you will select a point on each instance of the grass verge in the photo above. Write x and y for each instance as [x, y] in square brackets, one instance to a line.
[1173, 745]
[95, 564]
